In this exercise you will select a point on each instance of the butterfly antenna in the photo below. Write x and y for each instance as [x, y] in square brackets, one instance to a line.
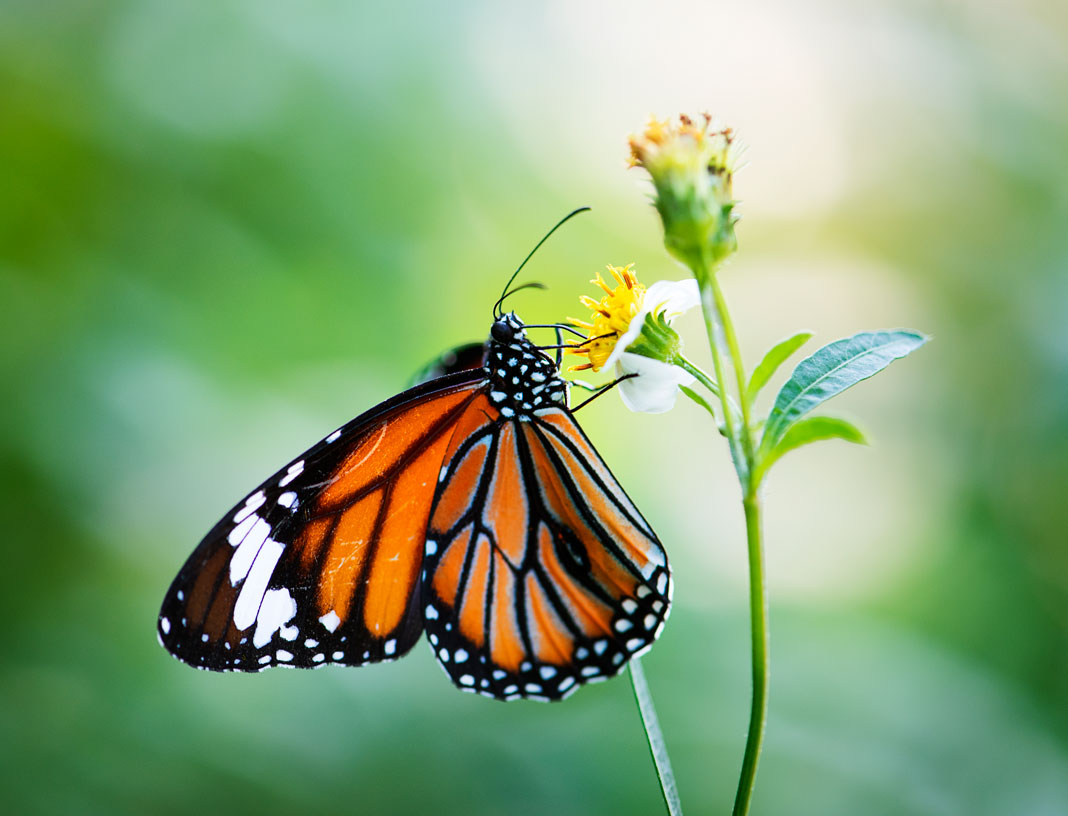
[504, 292]
[508, 294]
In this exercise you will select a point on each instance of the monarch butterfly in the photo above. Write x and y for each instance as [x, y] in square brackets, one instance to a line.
[471, 506]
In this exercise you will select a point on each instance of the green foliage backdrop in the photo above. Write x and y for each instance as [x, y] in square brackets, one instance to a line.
[228, 227]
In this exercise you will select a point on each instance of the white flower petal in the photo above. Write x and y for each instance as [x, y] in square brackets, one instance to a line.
[670, 297]
[628, 337]
[655, 388]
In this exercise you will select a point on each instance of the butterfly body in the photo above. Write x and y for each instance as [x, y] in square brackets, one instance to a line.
[471, 507]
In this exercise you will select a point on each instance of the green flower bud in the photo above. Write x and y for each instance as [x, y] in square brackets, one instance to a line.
[691, 166]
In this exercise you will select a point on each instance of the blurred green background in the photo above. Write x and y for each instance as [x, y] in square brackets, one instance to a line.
[227, 227]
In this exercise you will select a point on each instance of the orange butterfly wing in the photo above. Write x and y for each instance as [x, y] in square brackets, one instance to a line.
[540, 573]
[472, 506]
[321, 564]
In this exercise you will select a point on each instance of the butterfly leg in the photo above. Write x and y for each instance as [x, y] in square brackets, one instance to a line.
[585, 386]
[598, 390]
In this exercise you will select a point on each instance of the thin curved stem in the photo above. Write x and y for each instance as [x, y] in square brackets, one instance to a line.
[758, 613]
[657, 746]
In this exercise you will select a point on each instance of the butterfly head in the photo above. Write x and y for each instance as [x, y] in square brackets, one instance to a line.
[507, 330]
[522, 377]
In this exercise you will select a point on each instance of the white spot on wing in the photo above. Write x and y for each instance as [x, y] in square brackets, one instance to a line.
[251, 595]
[390, 647]
[287, 499]
[165, 625]
[334, 436]
[245, 554]
[277, 609]
[294, 471]
[252, 504]
[237, 535]
[283, 655]
[330, 620]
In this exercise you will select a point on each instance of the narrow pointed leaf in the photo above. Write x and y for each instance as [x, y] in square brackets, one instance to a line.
[696, 397]
[776, 356]
[812, 429]
[830, 371]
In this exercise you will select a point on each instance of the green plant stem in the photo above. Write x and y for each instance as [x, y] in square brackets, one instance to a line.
[657, 746]
[724, 319]
[716, 342]
[723, 342]
[758, 614]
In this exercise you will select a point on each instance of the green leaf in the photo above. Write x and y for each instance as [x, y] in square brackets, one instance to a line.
[811, 429]
[772, 360]
[832, 370]
[698, 399]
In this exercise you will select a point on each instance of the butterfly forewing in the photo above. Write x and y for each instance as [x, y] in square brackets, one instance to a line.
[540, 573]
[322, 562]
[472, 506]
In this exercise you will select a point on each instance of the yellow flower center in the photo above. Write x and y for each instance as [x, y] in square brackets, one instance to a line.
[611, 316]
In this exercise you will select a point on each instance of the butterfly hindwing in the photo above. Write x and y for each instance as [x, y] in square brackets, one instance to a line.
[471, 506]
[322, 562]
[465, 357]
[540, 574]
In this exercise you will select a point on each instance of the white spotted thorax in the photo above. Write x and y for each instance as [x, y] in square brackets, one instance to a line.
[522, 378]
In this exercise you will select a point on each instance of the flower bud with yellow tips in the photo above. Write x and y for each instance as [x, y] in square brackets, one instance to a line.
[691, 165]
